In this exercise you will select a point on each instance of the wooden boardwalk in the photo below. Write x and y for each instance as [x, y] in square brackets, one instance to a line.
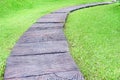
[42, 52]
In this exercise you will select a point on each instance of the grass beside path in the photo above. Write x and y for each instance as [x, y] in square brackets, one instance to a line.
[16, 16]
[94, 38]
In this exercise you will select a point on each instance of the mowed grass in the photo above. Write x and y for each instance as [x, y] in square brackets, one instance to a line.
[16, 16]
[94, 38]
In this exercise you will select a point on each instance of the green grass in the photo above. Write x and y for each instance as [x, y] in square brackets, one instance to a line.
[11, 6]
[16, 16]
[94, 38]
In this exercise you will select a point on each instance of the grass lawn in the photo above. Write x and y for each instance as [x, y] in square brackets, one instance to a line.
[16, 16]
[94, 38]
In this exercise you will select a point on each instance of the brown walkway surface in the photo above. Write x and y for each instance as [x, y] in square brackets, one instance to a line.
[42, 52]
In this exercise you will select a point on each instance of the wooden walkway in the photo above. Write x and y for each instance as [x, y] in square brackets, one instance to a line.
[42, 52]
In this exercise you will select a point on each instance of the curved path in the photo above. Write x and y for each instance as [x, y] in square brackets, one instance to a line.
[42, 52]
